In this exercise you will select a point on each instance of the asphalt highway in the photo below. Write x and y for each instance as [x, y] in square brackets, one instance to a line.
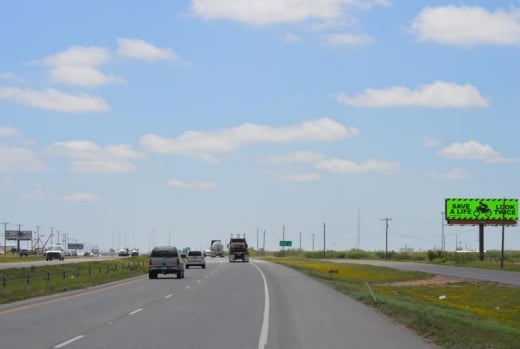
[499, 276]
[223, 306]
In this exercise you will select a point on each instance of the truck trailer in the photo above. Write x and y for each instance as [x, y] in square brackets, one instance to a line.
[217, 248]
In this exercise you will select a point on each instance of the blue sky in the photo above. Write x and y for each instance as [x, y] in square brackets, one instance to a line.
[125, 123]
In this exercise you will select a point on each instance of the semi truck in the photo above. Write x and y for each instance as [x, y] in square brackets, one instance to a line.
[238, 249]
[217, 248]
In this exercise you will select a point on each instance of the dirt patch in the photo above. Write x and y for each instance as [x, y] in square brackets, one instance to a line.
[436, 280]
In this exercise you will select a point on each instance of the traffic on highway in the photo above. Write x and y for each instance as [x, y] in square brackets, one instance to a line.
[226, 305]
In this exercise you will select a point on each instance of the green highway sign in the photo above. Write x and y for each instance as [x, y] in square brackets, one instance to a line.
[486, 210]
[285, 243]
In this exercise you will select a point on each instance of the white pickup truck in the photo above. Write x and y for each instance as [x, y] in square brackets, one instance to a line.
[54, 252]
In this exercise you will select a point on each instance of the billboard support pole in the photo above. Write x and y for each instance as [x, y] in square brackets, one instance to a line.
[481, 241]
[502, 257]
[503, 228]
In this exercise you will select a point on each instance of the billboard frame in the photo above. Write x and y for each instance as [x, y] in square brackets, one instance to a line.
[480, 211]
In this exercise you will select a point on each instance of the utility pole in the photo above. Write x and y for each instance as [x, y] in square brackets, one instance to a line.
[386, 245]
[283, 239]
[18, 240]
[312, 242]
[324, 246]
[358, 229]
[52, 234]
[257, 247]
[443, 239]
[263, 245]
[38, 236]
[300, 241]
[5, 240]
[65, 242]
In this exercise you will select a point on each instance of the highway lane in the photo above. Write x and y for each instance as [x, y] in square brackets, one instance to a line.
[499, 276]
[306, 313]
[202, 310]
[222, 306]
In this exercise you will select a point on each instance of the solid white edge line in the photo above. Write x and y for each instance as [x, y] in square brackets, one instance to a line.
[262, 341]
[61, 345]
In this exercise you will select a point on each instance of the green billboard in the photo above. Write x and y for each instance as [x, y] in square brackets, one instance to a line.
[493, 210]
[285, 243]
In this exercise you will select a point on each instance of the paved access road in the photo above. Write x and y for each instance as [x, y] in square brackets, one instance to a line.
[499, 276]
[222, 306]
[26, 262]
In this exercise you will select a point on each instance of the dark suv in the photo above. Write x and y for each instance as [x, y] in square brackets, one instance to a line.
[165, 260]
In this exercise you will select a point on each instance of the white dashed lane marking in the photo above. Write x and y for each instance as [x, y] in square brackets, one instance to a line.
[67, 342]
[135, 311]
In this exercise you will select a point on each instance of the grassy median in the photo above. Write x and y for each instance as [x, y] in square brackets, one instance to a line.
[23, 283]
[451, 313]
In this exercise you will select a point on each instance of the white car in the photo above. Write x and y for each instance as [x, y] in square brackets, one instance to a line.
[55, 252]
[195, 258]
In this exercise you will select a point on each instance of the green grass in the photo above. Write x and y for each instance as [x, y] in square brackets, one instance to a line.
[492, 258]
[22, 283]
[469, 315]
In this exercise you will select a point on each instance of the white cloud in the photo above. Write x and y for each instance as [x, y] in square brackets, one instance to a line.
[201, 185]
[295, 157]
[102, 166]
[78, 66]
[88, 157]
[335, 165]
[266, 12]
[51, 99]
[436, 95]
[347, 39]
[80, 197]
[9, 132]
[83, 149]
[205, 145]
[302, 177]
[473, 150]
[79, 56]
[17, 159]
[84, 76]
[142, 50]
[453, 174]
[466, 26]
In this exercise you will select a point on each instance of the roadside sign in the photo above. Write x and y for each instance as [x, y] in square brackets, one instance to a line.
[285, 243]
[18, 235]
[486, 211]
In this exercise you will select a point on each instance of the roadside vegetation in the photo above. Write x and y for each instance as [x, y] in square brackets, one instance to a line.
[22, 283]
[456, 314]
[492, 259]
